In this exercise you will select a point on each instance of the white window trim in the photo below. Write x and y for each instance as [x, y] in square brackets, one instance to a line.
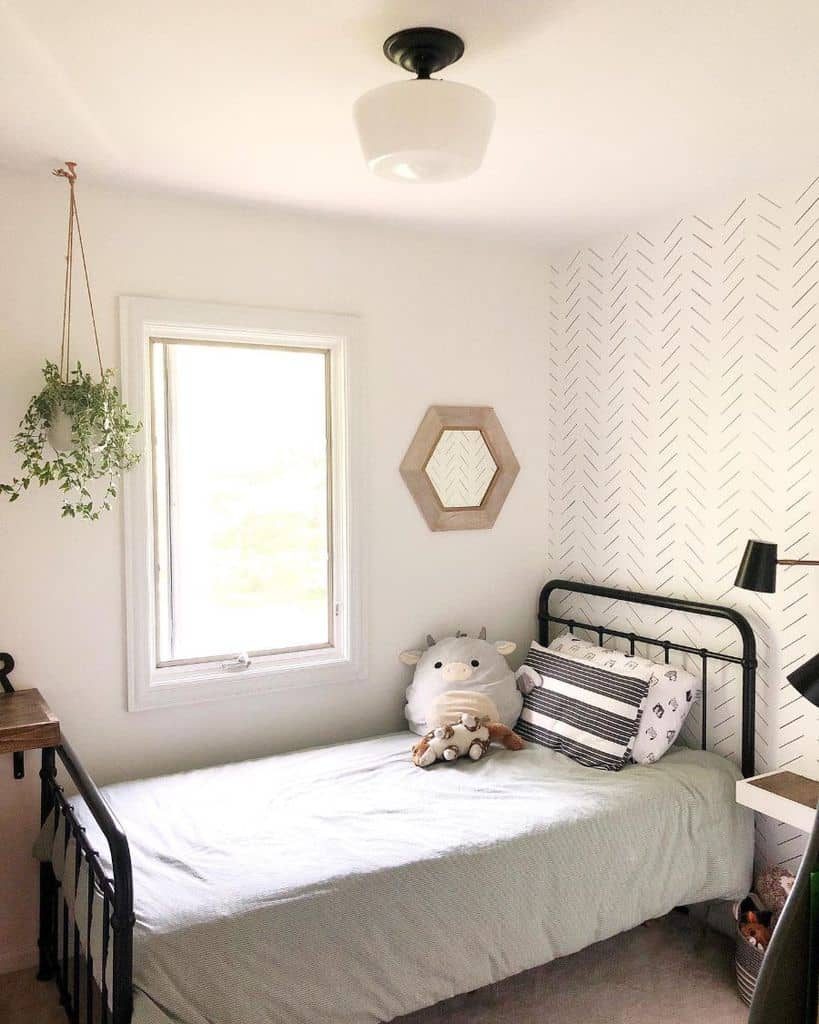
[152, 687]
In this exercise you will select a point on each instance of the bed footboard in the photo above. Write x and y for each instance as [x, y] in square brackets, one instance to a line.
[86, 914]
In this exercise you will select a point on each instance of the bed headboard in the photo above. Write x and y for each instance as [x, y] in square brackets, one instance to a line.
[747, 660]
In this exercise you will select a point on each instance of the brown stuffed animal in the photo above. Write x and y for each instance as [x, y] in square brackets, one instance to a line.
[752, 928]
[754, 921]
[470, 737]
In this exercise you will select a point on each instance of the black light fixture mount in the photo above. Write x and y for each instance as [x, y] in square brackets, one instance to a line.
[423, 51]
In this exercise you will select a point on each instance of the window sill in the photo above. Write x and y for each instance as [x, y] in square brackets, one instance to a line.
[196, 684]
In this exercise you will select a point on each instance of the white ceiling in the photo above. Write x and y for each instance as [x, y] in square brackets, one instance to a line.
[607, 110]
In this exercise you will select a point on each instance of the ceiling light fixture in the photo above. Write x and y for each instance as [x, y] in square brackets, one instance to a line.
[425, 130]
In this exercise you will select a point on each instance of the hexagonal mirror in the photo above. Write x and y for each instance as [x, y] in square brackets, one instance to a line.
[461, 468]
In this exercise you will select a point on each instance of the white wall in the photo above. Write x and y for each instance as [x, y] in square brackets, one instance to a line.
[683, 420]
[446, 320]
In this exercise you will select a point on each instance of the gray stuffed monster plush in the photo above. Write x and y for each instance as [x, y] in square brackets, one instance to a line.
[465, 664]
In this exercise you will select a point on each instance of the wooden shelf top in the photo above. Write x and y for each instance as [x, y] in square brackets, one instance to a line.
[26, 722]
[783, 795]
[791, 786]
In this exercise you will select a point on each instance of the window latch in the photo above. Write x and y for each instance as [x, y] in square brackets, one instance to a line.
[241, 660]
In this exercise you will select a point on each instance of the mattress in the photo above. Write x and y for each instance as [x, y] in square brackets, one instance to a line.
[346, 886]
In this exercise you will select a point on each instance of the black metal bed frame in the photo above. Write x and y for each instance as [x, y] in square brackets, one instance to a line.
[74, 970]
[747, 660]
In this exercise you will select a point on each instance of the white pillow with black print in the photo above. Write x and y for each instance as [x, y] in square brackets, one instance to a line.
[671, 693]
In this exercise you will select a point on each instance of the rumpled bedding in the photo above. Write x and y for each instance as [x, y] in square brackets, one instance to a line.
[346, 886]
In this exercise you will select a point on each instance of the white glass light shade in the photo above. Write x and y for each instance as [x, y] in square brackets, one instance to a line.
[424, 130]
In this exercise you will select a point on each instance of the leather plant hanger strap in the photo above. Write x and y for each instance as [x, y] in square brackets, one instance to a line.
[69, 172]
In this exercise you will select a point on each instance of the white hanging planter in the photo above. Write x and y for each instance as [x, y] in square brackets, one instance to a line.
[60, 431]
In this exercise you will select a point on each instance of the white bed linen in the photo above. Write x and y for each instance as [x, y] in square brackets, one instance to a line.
[344, 885]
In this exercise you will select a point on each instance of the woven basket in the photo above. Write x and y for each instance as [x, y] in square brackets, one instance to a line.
[747, 964]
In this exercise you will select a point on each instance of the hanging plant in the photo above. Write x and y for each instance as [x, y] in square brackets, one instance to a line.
[77, 430]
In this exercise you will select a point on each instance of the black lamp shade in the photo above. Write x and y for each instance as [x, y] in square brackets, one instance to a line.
[757, 570]
[805, 679]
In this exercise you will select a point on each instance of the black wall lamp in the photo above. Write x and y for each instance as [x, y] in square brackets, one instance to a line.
[757, 571]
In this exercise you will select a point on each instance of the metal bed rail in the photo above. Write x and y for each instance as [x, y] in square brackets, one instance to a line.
[65, 954]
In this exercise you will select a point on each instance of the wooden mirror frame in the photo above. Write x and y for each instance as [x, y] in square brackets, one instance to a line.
[440, 418]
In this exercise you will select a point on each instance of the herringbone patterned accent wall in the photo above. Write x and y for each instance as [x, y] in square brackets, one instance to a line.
[683, 420]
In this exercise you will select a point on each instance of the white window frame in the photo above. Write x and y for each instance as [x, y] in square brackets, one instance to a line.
[150, 686]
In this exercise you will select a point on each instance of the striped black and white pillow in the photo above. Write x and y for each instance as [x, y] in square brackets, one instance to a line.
[589, 714]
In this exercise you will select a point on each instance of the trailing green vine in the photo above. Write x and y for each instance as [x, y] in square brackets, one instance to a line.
[101, 434]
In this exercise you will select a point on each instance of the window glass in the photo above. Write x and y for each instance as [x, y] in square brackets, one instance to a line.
[243, 499]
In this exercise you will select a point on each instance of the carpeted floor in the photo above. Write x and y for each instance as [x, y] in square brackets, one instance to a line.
[667, 972]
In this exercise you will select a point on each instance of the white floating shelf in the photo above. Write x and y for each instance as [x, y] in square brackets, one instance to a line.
[782, 795]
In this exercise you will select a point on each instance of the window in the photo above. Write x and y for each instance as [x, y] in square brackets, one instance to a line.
[242, 491]
[242, 568]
